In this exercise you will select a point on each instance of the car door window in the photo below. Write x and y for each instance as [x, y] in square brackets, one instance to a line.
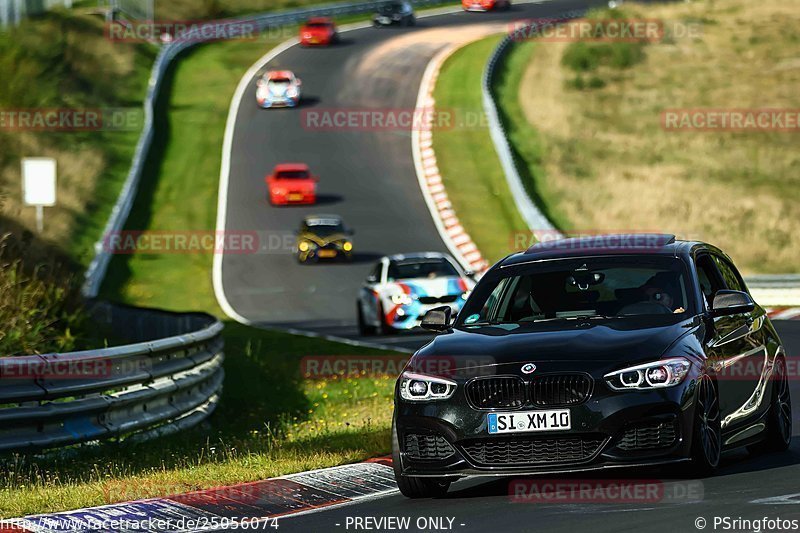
[375, 275]
[709, 277]
[729, 274]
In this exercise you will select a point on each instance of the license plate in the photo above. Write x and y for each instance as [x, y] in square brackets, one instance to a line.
[528, 421]
[385, 20]
[327, 253]
[295, 197]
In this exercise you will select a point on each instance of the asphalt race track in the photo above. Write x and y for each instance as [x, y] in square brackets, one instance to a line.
[483, 504]
[367, 177]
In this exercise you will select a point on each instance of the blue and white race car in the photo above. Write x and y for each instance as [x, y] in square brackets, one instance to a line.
[278, 88]
[400, 289]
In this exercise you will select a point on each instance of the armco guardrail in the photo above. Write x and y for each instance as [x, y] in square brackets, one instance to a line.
[533, 217]
[119, 213]
[169, 380]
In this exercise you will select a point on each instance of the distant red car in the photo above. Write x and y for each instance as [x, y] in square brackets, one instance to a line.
[318, 31]
[485, 5]
[292, 183]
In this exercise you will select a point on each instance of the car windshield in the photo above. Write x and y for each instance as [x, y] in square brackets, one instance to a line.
[427, 268]
[318, 25]
[292, 175]
[279, 83]
[580, 288]
[324, 227]
[388, 9]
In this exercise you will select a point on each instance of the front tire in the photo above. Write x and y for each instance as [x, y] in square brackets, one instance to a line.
[364, 329]
[707, 436]
[778, 435]
[415, 487]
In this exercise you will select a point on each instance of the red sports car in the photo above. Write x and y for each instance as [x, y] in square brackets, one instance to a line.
[485, 5]
[318, 31]
[292, 183]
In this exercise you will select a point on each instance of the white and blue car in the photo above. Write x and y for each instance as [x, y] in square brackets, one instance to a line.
[278, 88]
[401, 288]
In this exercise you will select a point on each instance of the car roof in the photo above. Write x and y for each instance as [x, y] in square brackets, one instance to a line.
[317, 219]
[418, 255]
[290, 167]
[275, 74]
[603, 244]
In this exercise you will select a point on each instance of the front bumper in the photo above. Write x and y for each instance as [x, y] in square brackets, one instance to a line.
[270, 103]
[601, 435]
[293, 198]
[329, 253]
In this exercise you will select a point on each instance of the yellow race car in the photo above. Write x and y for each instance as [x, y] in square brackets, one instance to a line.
[323, 237]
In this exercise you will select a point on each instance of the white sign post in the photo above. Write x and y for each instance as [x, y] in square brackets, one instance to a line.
[39, 185]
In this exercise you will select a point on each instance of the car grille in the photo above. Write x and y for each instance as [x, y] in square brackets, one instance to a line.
[496, 393]
[532, 451]
[648, 436]
[438, 300]
[546, 391]
[427, 447]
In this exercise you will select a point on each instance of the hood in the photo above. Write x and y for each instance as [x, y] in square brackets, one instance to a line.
[436, 287]
[295, 184]
[316, 30]
[322, 241]
[595, 346]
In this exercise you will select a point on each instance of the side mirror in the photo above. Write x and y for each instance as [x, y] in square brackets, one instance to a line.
[299, 82]
[372, 279]
[469, 273]
[731, 303]
[437, 319]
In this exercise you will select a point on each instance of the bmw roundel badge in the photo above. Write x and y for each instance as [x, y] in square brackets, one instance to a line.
[528, 368]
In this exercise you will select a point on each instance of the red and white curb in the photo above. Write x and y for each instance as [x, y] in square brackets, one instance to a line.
[790, 313]
[272, 500]
[444, 216]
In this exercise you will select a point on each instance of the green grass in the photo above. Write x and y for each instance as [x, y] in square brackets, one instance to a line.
[466, 157]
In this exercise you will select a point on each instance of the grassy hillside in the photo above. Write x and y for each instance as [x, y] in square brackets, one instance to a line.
[586, 119]
[60, 61]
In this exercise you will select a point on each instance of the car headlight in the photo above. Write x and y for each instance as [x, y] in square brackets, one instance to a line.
[291, 92]
[305, 246]
[655, 375]
[347, 246]
[401, 298]
[421, 388]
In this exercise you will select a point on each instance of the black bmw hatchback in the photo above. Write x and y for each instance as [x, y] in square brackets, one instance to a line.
[599, 352]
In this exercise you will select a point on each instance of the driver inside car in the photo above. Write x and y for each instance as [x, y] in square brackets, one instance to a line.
[661, 289]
